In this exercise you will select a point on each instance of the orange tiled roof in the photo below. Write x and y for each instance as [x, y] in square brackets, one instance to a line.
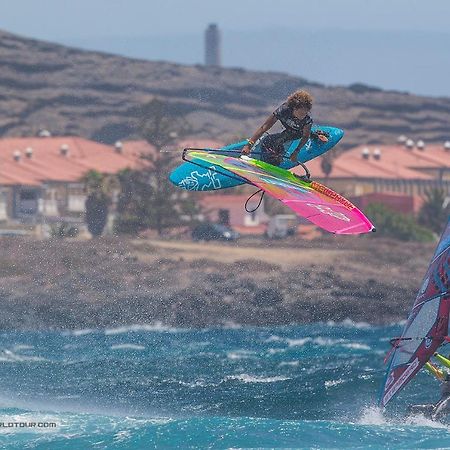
[48, 164]
[139, 147]
[234, 203]
[136, 148]
[395, 162]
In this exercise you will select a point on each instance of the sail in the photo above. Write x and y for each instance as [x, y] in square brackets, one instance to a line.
[427, 324]
[312, 200]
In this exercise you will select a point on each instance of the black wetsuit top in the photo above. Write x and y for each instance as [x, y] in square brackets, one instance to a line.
[273, 145]
[293, 126]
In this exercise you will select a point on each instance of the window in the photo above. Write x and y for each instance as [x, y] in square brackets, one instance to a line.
[28, 195]
[76, 203]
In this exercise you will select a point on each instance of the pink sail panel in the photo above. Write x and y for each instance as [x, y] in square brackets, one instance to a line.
[314, 201]
[328, 210]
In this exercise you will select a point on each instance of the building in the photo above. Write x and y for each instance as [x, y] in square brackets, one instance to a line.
[40, 177]
[228, 209]
[213, 46]
[396, 170]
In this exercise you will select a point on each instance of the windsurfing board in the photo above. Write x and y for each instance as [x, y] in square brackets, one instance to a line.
[196, 178]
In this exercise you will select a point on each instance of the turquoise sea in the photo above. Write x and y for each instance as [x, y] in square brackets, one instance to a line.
[142, 387]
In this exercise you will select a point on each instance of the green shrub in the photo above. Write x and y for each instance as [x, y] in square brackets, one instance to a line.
[434, 212]
[64, 230]
[398, 226]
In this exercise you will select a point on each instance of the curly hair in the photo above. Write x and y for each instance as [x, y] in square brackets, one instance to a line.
[300, 99]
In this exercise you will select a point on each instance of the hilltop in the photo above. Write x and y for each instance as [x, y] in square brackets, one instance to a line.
[97, 95]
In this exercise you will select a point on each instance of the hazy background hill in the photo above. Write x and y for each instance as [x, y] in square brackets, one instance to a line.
[405, 60]
[97, 95]
[393, 45]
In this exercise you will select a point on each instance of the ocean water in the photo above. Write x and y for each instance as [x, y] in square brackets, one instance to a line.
[142, 387]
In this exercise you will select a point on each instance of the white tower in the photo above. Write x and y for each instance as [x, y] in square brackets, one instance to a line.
[212, 46]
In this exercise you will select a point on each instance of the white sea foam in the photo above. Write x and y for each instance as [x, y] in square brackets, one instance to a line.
[22, 347]
[331, 383]
[359, 325]
[326, 342]
[240, 354]
[274, 338]
[366, 376]
[298, 342]
[319, 340]
[123, 435]
[274, 351]
[70, 346]
[348, 323]
[289, 363]
[373, 415]
[157, 326]
[67, 397]
[423, 421]
[356, 346]
[81, 332]
[245, 378]
[127, 347]
[194, 384]
[9, 356]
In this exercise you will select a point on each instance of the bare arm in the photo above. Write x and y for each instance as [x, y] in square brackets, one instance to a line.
[303, 141]
[266, 126]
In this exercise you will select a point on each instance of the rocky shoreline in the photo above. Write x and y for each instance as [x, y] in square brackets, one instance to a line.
[64, 284]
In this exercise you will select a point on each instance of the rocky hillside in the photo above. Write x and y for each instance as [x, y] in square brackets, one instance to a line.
[97, 95]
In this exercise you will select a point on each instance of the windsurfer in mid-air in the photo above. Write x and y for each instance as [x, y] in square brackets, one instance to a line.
[294, 115]
[441, 408]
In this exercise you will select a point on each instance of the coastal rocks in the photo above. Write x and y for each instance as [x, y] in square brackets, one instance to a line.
[105, 283]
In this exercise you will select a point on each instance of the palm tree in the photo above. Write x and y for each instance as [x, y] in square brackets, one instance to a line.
[326, 164]
[435, 210]
[161, 125]
[99, 188]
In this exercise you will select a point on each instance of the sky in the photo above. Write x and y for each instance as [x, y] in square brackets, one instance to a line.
[393, 44]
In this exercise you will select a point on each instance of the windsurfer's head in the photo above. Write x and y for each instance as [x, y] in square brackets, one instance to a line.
[301, 103]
